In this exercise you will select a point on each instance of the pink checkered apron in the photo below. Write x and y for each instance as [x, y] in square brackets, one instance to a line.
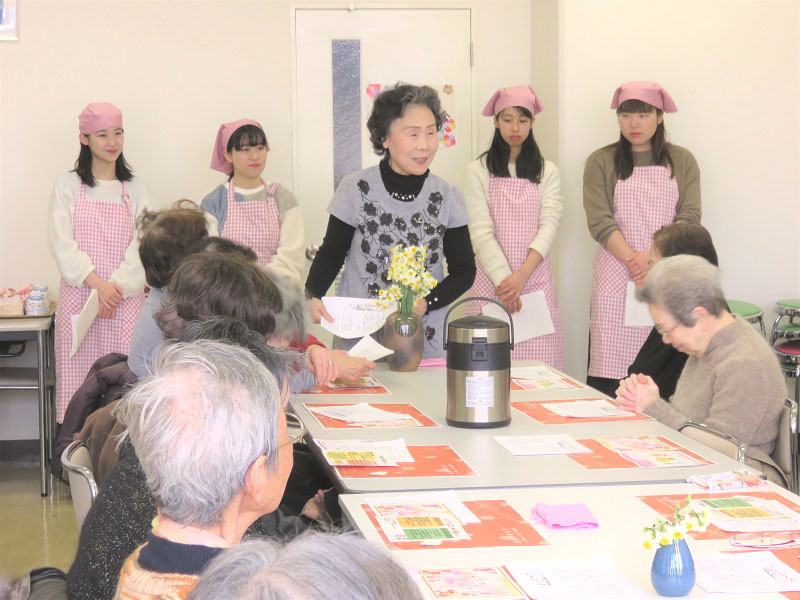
[254, 224]
[643, 203]
[514, 204]
[104, 231]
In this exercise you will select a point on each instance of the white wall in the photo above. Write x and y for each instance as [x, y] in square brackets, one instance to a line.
[177, 69]
[732, 68]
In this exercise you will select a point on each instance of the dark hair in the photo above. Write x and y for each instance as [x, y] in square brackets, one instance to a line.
[246, 135]
[530, 162]
[281, 362]
[210, 284]
[165, 236]
[685, 238]
[392, 104]
[623, 155]
[223, 246]
[83, 167]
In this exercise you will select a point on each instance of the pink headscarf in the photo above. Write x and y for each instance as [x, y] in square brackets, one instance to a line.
[646, 91]
[97, 116]
[226, 130]
[519, 95]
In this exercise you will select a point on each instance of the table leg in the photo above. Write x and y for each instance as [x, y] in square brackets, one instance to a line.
[41, 349]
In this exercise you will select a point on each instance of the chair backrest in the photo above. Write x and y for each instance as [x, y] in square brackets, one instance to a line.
[78, 464]
[720, 442]
[785, 453]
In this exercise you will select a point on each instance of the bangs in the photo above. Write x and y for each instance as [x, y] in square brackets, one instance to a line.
[247, 135]
[635, 106]
[523, 112]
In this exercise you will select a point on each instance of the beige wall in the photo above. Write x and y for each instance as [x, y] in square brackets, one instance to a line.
[732, 68]
[177, 69]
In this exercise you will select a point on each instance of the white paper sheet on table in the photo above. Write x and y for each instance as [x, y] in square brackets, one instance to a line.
[83, 321]
[383, 453]
[747, 513]
[447, 497]
[592, 578]
[368, 348]
[533, 445]
[745, 573]
[535, 372]
[354, 317]
[357, 413]
[587, 408]
[533, 320]
[636, 313]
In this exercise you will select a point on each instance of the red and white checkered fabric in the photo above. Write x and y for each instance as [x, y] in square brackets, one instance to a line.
[254, 224]
[514, 205]
[104, 231]
[643, 203]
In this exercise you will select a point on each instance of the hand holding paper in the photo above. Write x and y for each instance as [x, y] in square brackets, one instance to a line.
[533, 320]
[353, 317]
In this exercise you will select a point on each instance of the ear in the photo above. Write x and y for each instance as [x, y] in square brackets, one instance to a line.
[661, 118]
[227, 156]
[83, 139]
[699, 313]
[261, 484]
[385, 143]
[496, 121]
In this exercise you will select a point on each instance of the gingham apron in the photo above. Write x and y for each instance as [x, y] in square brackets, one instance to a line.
[643, 203]
[514, 205]
[254, 224]
[104, 231]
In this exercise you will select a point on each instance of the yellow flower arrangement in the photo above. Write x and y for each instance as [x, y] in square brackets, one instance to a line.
[686, 518]
[410, 279]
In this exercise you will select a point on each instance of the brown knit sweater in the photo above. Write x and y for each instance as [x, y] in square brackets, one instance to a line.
[735, 387]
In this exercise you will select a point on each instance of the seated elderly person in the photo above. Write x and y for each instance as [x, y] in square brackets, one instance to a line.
[210, 433]
[731, 381]
[314, 565]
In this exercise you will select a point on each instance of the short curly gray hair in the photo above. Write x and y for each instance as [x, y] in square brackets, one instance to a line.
[392, 104]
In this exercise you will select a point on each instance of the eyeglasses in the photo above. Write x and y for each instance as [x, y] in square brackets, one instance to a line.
[293, 421]
[666, 332]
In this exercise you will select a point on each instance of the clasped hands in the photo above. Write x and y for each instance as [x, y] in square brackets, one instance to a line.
[637, 392]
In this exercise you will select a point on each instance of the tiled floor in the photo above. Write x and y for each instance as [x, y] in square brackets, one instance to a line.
[34, 531]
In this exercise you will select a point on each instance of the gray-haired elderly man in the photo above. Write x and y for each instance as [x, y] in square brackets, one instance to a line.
[210, 433]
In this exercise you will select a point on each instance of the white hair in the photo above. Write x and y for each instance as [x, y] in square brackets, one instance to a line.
[198, 423]
[313, 565]
[682, 283]
[290, 322]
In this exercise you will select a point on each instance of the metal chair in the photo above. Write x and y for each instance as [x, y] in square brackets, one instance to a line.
[716, 440]
[749, 312]
[78, 465]
[788, 353]
[787, 308]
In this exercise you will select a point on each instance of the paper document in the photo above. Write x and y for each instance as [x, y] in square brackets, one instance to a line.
[533, 320]
[746, 513]
[481, 583]
[83, 321]
[589, 578]
[365, 453]
[532, 445]
[745, 573]
[354, 317]
[587, 408]
[541, 377]
[637, 314]
[358, 413]
[368, 348]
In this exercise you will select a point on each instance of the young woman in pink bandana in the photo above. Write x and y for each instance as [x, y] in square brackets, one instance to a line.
[91, 234]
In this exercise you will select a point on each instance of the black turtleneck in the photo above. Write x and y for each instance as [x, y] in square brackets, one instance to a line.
[405, 188]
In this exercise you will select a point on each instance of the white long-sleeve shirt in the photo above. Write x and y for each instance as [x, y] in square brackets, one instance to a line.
[74, 264]
[481, 227]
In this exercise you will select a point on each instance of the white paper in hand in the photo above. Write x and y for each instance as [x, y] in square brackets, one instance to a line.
[368, 348]
[533, 320]
[354, 317]
[636, 313]
[83, 320]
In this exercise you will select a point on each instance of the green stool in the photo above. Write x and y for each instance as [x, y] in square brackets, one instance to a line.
[788, 329]
[749, 312]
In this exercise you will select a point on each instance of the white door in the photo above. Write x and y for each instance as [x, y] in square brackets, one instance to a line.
[385, 46]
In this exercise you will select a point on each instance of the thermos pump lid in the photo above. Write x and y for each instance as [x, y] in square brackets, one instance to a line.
[463, 330]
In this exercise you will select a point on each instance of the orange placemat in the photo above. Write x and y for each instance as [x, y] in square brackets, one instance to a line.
[604, 458]
[665, 506]
[538, 412]
[430, 461]
[367, 385]
[400, 409]
[530, 384]
[500, 525]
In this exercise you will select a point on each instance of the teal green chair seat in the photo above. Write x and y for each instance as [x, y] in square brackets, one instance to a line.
[789, 308]
[750, 312]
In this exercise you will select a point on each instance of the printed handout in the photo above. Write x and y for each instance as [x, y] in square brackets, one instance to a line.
[532, 445]
[353, 317]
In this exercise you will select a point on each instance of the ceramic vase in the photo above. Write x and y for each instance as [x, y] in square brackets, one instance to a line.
[672, 573]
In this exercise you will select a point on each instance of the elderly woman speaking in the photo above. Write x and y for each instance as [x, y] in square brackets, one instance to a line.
[731, 382]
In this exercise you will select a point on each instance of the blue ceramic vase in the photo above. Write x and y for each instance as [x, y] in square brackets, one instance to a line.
[672, 572]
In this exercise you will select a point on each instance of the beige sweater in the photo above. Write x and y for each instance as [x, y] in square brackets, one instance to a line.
[599, 181]
[735, 387]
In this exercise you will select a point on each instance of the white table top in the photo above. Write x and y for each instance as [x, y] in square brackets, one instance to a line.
[26, 324]
[619, 512]
[495, 466]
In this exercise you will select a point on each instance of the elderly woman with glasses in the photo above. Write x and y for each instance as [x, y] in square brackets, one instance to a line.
[731, 381]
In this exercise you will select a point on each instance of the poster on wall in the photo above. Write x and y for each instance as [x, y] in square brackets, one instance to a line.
[447, 96]
[8, 20]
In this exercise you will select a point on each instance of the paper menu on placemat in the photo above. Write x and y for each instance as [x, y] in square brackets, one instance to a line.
[587, 409]
[541, 377]
[744, 513]
[745, 573]
[532, 445]
[365, 453]
[361, 413]
[479, 583]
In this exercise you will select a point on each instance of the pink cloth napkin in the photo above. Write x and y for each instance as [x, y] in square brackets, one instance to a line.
[433, 362]
[564, 516]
